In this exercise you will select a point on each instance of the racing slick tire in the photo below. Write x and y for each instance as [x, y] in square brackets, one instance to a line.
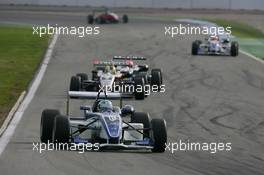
[195, 47]
[144, 118]
[61, 129]
[46, 124]
[159, 135]
[75, 84]
[94, 75]
[156, 78]
[90, 19]
[234, 49]
[125, 18]
[139, 84]
[159, 70]
[83, 77]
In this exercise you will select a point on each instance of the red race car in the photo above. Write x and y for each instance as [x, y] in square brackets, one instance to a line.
[106, 17]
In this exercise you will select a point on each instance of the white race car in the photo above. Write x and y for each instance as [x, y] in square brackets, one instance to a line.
[107, 78]
[215, 45]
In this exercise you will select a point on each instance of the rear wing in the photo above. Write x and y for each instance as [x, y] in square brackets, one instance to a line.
[98, 63]
[129, 58]
[98, 10]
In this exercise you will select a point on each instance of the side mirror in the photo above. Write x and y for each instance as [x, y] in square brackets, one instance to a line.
[127, 109]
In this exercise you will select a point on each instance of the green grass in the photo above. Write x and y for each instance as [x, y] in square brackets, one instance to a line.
[20, 55]
[239, 29]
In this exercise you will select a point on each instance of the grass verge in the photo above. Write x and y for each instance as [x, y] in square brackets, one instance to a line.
[250, 39]
[239, 29]
[20, 55]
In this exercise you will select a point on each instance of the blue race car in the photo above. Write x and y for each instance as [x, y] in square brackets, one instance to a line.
[110, 127]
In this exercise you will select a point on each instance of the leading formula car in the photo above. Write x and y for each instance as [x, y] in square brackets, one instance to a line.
[216, 45]
[105, 17]
[108, 126]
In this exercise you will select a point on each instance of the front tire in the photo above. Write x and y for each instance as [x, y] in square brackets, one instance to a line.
[234, 49]
[75, 84]
[159, 135]
[144, 118]
[158, 70]
[156, 78]
[139, 84]
[46, 124]
[61, 129]
[125, 19]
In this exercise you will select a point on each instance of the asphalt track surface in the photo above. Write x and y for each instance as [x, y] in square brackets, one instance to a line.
[207, 99]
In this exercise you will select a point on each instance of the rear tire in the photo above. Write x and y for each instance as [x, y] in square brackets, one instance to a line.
[46, 124]
[90, 19]
[125, 18]
[159, 70]
[139, 84]
[94, 75]
[75, 84]
[195, 47]
[156, 79]
[159, 135]
[234, 49]
[144, 118]
[61, 129]
[83, 77]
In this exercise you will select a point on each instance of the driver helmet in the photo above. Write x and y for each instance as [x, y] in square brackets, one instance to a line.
[104, 105]
[214, 38]
[107, 69]
[113, 69]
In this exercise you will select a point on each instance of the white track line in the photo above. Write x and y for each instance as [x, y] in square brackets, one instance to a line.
[4, 140]
[12, 112]
[251, 56]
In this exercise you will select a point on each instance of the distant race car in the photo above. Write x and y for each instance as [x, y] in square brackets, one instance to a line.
[105, 17]
[120, 73]
[110, 127]
[216, 45]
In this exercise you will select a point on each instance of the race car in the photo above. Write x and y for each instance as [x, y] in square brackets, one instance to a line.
[112, 74]
[108, 80]
[154, 78]
[216, 45]
[104, 125]
[106, 17]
